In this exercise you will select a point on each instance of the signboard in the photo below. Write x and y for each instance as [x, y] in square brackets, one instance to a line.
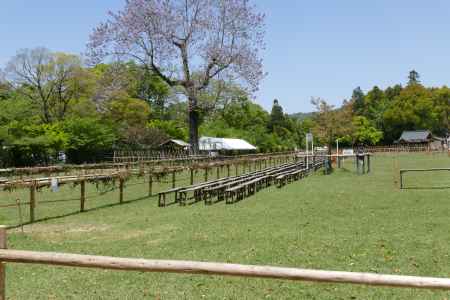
[309, 137]
[347, 152]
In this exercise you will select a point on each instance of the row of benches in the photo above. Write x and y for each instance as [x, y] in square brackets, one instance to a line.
[249, 188]
[236, 188]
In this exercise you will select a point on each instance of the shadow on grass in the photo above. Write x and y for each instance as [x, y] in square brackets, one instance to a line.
[85, 211]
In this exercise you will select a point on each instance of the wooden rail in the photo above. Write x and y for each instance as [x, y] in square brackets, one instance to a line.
[399, 148]
[213, 268]
[208, 268]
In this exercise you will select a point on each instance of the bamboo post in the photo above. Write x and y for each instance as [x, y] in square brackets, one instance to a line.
[32, 201]
[19, 207]
[3, 239]
[150, 185]
[173, 179]
[192, 176]
[82, 194]
[121, 181]
[401, 179]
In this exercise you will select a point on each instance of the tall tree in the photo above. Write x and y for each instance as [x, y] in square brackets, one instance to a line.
[331, 123]
[49, 79]
[413, 77]
[186, 43]
[358, 101]
[277, 117]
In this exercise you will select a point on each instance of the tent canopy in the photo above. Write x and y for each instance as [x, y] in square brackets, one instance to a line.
[217, 144]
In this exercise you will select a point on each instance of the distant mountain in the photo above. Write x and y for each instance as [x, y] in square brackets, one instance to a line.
[302, 116]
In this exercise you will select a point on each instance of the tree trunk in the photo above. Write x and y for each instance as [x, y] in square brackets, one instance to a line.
[193, 125]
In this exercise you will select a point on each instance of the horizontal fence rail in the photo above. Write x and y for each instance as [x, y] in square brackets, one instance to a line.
[405, 148]
[208, 268]
[212, 268]
[403, 171]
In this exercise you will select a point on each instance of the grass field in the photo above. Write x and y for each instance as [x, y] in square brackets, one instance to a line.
[337, 222]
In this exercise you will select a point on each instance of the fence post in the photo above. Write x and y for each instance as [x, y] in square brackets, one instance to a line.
[368, 163]
[206, 174]
[401, 179]
[228, 170]
[173, 179]
[192, 176]
[19, 207]
[236, 168]
[3, 239]
[82, 195]
[32, 200]
[150, 185]
[121, 180]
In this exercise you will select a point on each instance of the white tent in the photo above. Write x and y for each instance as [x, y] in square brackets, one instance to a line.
[217, 144]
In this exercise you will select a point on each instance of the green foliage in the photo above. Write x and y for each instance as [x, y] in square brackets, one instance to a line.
[87, 137]
[128, 111]
[413, 78]
[241, 118]
[87, 112]
[398, 108]
[358, 101]
[364, 132]
[171, 128]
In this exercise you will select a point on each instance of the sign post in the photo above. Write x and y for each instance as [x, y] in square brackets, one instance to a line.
[309, 139]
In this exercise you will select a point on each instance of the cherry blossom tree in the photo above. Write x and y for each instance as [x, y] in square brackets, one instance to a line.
[187, 43]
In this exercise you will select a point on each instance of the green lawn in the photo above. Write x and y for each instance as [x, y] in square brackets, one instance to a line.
[337, 222]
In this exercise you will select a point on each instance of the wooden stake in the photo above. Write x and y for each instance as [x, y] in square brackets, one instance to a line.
[19, 207]
[32, 201]
[192, 176]
[3, 239]
[150, 185]
[173, 179]
[82, 195]
[121, 181]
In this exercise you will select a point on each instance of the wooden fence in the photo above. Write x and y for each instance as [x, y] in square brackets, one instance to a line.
[403, 171]
[398, 148]
[207, 268]
[153, 174]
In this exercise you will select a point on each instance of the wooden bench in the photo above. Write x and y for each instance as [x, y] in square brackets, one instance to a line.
[199, 190]
[235, 193]
[162, 196]
[220, 190]
[183, 194]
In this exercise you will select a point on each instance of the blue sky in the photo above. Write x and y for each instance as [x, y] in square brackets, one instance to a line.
[314, 48]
